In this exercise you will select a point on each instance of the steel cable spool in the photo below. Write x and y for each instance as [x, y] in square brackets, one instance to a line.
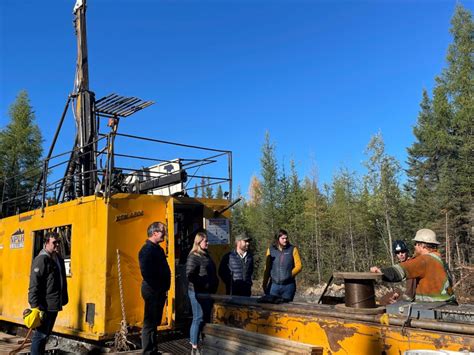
[359, 293]
[359, 289]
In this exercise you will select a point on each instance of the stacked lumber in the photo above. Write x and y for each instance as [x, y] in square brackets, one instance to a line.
[221, 339]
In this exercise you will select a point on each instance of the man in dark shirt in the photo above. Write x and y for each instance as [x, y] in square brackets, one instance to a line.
[236, 268]
[156, 282]
[48, 289]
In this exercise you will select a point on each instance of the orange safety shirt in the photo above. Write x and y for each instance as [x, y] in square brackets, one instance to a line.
[434, 282]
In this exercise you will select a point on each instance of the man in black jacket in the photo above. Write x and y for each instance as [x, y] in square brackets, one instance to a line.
[156, 282]
[48, 289]
[236, 268]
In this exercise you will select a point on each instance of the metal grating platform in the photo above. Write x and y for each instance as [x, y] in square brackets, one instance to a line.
[114, 105]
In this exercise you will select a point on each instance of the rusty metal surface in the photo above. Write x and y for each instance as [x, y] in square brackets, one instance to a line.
[338, 335]
[358, 275]
[359, 293]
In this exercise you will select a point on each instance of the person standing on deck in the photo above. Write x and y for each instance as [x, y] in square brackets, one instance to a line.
[47, 290]
[282, 264]
[236, 268]
[433, 278]
[156, 282]
[202, 277]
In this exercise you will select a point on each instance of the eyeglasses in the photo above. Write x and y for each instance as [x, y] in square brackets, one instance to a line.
[400, 252]
[56, 242]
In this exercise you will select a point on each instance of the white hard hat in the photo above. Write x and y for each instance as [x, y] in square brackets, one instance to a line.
[426, 236]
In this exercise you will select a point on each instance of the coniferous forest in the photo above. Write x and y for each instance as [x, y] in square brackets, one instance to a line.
[350, 223]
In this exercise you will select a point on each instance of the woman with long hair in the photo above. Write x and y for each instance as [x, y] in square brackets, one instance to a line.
[282, 264]
[202, 280]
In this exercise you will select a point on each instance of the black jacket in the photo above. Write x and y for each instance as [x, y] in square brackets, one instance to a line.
[236, 272]
[201, 273]
[155, 270]
[48, 284]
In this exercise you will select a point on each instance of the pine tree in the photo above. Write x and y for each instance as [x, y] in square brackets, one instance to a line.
[343, 201]
[21, 150]
[270, 192]
[295, 205]
[383, 171]
[238, 221]
[441, 163]
[314, 215]
[209, 189]
[458, 78]
[203, 187]
[219, 193]
[422, 167]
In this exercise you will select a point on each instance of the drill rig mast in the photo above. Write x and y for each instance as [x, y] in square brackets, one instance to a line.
[81, 174]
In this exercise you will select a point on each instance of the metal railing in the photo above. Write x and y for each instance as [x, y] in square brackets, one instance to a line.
[135, 169]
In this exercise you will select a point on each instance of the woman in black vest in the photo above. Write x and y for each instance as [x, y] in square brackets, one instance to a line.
[202, 278]
[282, 264]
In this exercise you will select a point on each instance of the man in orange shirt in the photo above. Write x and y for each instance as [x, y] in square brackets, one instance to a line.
[433, 279]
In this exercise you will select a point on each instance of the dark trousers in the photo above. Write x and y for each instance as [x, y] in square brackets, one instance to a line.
[41, 334]
[154, 303]
[239, 288]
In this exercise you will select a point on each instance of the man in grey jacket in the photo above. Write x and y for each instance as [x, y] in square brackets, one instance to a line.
[48, 289]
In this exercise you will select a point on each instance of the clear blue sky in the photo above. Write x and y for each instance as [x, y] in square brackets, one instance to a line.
[321, 76]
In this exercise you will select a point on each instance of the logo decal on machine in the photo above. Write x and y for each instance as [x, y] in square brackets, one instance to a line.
[124, 216]
[17, 240]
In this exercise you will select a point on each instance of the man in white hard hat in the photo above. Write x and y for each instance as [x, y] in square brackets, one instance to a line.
[433, 279]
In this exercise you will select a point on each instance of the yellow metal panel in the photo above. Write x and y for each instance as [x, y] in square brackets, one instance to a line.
[128, 220]
[337, 335]
[2, 246]
[98, 230]
[87, 262]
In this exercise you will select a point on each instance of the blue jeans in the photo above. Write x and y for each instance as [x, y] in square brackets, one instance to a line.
[201, 314]
[287, 292]
[41, 334]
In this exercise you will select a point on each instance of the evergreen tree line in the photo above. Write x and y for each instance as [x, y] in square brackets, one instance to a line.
[350, 223]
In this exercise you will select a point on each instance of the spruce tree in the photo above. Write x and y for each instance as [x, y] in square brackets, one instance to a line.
[383, 171]
[270, 192]
[20, 154]
[458, 78]
[422, 169]
[441, 163]
[219, 192]
[209, 189]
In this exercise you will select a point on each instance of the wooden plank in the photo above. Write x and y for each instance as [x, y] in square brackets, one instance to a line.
[259, 341]
[214, 345]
